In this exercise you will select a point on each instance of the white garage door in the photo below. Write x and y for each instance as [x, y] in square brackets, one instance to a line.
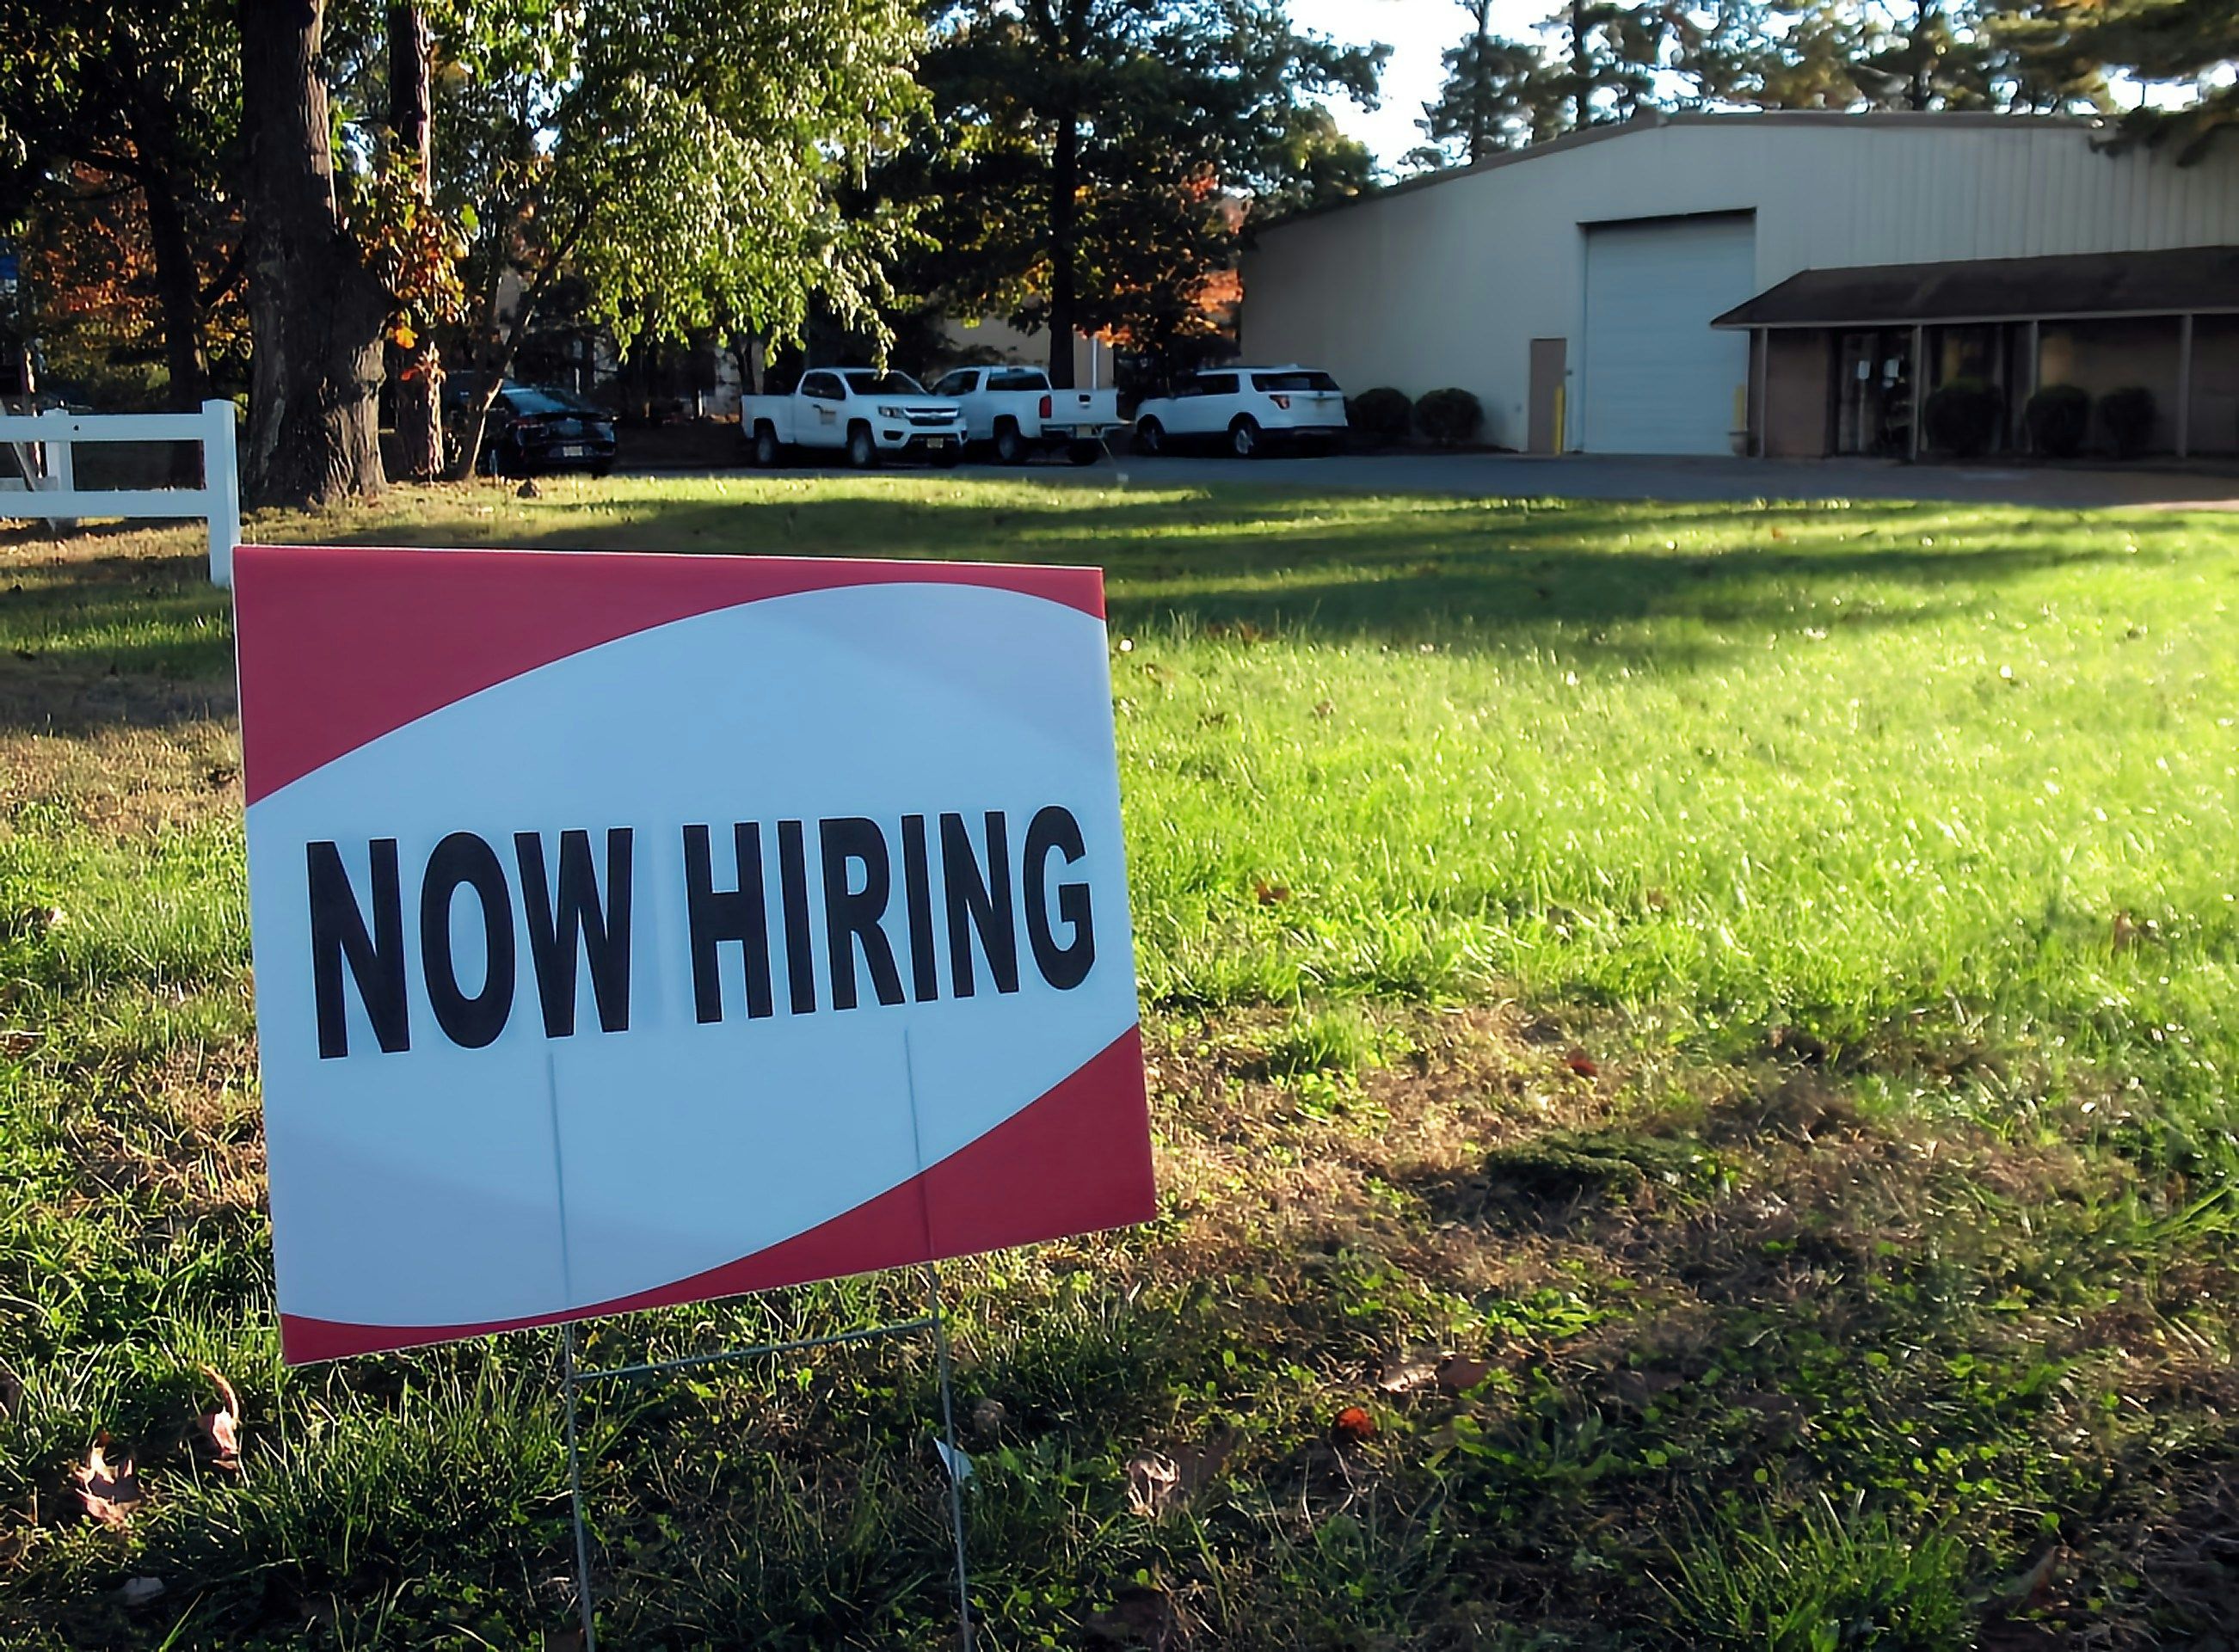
[1657, 378]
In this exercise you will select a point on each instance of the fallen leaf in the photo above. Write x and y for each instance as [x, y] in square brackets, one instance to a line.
[110, 1491]
[17, 1041]
[1270, 894]
[221, 1425]
[1154, 1484]
[1354, 1423]
[1324, 709]
[1582, 1064]
[1458, 1374]
[1403, 1374]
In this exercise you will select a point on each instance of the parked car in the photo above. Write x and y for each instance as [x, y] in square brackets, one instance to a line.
[1015, 411]
[1246, 410]
[535, 429]
[859, 410]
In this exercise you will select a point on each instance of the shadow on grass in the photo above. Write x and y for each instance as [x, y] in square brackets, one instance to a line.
[1590, 582]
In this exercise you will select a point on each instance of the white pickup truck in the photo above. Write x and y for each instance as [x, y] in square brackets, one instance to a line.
[1015, 411]
[861, 411]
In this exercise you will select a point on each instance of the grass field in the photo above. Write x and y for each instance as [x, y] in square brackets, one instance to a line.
[1712, 1026]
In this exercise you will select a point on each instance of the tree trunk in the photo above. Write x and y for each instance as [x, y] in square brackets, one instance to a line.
[412, 134]
[315, 312]
[178, 294]
[1064, 184]
[1582, 66]
[178, 289]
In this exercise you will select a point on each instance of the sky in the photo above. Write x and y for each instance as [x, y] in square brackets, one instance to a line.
[1417, 31]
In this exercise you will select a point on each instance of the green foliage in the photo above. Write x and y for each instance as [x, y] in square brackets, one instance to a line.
[683, 163]
[2059, 420]
[1088, 163]
[1381, 416]
[1820, 1582]
[2127, 415]
[1449, 417]
[1498, 95]
[1962, 416]
[2185, 45]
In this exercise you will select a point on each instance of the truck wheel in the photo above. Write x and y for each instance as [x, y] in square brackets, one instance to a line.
[767, 450]
[1084, 453]
[1010, 446]
[1150, 438]
[1244, 439]
[862, 451]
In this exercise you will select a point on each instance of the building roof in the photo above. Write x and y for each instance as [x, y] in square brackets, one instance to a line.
[1656, 120]
[2170, 282]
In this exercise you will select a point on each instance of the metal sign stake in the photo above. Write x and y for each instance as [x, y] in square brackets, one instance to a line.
[572, 1379]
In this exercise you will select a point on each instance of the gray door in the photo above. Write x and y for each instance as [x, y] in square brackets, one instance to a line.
[1544, 430]
[1657, 378]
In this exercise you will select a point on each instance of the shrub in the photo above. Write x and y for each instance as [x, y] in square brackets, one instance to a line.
[1449, 417]
[1380, 416]
[2127, 416]
[2059, 418]
[1962, 417]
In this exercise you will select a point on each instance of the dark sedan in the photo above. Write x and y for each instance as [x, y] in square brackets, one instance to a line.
[534, 431]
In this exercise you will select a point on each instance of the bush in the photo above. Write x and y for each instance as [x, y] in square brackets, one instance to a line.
[1962, 417]
[1449, 417]
[1380, 416]
[2127, 416]
[2059, 418]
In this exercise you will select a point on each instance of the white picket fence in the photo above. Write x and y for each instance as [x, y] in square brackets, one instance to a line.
[52, 491]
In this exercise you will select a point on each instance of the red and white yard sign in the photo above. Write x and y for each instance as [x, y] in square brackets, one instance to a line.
[635, 930]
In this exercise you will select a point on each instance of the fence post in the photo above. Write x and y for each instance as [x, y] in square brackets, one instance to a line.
[59, 459]
[222, 489]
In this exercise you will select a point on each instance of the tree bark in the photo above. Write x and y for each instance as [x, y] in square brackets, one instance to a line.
[315, 313]
[1065, 185]
[178, 285]
[412, 133]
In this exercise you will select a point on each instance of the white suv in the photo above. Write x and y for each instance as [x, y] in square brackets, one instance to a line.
[1246, 410]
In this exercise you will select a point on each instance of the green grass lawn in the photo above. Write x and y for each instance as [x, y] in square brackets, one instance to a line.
[1712, 1025]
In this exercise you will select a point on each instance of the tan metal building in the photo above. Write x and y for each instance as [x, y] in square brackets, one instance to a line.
[1789, 283]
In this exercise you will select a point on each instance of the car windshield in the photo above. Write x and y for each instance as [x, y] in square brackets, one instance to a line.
[866, 381]
[1298, 381]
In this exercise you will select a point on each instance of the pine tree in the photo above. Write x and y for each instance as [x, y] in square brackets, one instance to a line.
[2194, 43]
[1498, 95]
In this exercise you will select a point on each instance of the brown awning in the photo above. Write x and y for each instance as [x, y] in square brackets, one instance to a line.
[1988, 290]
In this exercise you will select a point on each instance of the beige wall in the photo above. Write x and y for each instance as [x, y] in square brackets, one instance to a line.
[1448, 282]
[1795, 390]
[1092, 360]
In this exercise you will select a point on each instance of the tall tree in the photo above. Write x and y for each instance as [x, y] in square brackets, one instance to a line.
[682, 160]
[316, 312]
[147, 98]
[2190, 47]
[1638, 54]
[1095, 160]
[1498, 95]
